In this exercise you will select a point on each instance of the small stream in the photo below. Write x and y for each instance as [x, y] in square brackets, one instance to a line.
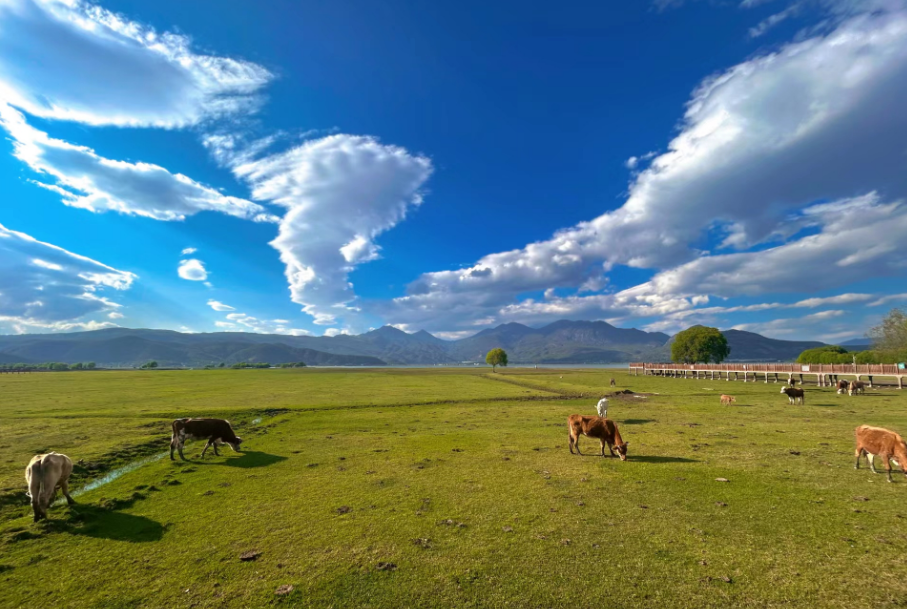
[113, 475]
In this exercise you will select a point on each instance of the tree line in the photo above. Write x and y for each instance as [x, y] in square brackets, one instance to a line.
[48, 366]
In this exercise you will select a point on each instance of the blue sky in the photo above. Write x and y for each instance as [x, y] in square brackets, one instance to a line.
[312, 168]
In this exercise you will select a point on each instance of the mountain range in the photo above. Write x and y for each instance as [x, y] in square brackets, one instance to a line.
[562, 342]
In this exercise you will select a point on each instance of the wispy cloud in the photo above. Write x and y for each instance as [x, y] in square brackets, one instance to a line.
[73, 60]
[45, 287]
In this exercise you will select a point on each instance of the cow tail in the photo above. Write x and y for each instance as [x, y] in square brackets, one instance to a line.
[36, 488]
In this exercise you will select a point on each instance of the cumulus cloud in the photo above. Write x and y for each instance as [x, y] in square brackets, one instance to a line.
[819, 119]
[72, 60]
[45, 287]
[219, 306]
[341, 192]
[87, 180]
[192, 269]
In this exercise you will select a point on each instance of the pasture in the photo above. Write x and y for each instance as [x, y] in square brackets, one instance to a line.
[449, 488]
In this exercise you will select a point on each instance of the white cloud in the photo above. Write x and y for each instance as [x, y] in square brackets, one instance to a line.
[769, 22]
[247, 323]
[115, 315]
[86, 180]
[809, 325]
[888, 299]
[46, 287]
[336, 331]
[341, 192]
[819, 119]
[189, 251]
[192, 269]
[219, 306]
[71, 60]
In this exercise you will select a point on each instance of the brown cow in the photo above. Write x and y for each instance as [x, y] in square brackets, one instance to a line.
[216, 431]
[842, 386]
[887, 444]
[794, 395]
[43, 475]
[727, 399]
[596, 427]
[856, 387]
[613, 383]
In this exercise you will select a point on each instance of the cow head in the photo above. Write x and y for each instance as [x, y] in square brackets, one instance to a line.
[622, 451]
[234, 444]
[784, 389]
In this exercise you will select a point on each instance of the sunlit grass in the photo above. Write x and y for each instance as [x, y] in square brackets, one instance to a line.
[361, 469]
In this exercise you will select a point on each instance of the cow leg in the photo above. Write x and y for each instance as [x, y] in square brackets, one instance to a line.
[603, 448]
[887, 459]
[209, 443]
[859, 453]
[179, 446]
[173, 444]
[576, 444]
[64, 486]
[214, 444]
[871, 458]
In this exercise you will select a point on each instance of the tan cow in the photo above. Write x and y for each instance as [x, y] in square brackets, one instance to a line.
[728, 399]
[605, 430]
[842, 386]
[613, 383]
[43, 475]
[888, 445]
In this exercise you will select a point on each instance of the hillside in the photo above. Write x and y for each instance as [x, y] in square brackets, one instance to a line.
[752, 347]
[562, 342]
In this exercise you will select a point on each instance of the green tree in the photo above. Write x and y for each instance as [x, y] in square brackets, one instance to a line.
[90, 365]
[700, 344]
[496, 357]
[891, 335]
[151, 364]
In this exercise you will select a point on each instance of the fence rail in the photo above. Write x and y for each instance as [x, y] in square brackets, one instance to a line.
[825, 374]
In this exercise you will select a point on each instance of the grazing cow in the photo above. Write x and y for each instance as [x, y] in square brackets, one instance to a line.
[794, 395]
[43, 475]
[216, 431]
[602, 407]
[596, 427]
[856, 387]
[842, 386]
[727, 399]
[613, 383]
[887, 444]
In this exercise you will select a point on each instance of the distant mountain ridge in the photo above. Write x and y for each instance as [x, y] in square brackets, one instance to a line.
[562, 342]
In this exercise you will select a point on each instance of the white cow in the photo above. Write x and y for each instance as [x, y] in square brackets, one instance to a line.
[43, 475]
[602, 407]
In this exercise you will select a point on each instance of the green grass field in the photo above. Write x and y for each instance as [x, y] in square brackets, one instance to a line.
[459, 478]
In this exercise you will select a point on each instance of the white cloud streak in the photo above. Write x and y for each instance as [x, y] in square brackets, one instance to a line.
[89, 181]
[45, 287]
[72, 60]
[219, 306]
